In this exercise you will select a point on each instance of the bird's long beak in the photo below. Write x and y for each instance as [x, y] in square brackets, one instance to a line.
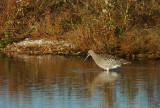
[86, 57]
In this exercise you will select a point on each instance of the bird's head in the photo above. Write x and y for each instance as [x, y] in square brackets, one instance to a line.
[90, 52]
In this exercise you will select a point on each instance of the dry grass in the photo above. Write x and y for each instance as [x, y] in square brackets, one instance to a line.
[139, 41]
[95, 24]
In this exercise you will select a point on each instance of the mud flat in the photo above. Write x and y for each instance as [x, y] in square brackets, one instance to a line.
[37, 47]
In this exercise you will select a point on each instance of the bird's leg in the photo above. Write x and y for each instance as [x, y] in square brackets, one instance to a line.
[107, 70]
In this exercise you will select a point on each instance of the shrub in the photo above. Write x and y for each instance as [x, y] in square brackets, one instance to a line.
[139, 41]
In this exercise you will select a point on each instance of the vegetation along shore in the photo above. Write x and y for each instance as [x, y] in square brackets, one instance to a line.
[128, 28]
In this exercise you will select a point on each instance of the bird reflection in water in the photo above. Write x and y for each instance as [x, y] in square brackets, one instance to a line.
[104, 79]
[103, 87]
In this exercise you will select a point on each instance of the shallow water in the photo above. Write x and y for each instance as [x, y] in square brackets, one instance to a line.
[50, 81]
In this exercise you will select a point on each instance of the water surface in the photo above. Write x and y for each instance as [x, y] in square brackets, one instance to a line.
[50, 81]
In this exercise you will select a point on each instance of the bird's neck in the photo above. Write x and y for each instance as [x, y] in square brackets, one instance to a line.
[95, 56]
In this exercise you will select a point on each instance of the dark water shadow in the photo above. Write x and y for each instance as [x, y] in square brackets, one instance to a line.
[140, 68]
[86, 70]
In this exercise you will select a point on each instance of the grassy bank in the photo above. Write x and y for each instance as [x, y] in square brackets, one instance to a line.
[123, 27]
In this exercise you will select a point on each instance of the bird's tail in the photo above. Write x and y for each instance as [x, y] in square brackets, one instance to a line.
[125, 61]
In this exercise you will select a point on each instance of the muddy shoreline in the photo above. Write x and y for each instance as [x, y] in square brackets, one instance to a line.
[44, 47]
[40, 47]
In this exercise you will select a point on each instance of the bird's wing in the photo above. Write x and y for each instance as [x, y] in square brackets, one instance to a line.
[115, 58]
[110, 57]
